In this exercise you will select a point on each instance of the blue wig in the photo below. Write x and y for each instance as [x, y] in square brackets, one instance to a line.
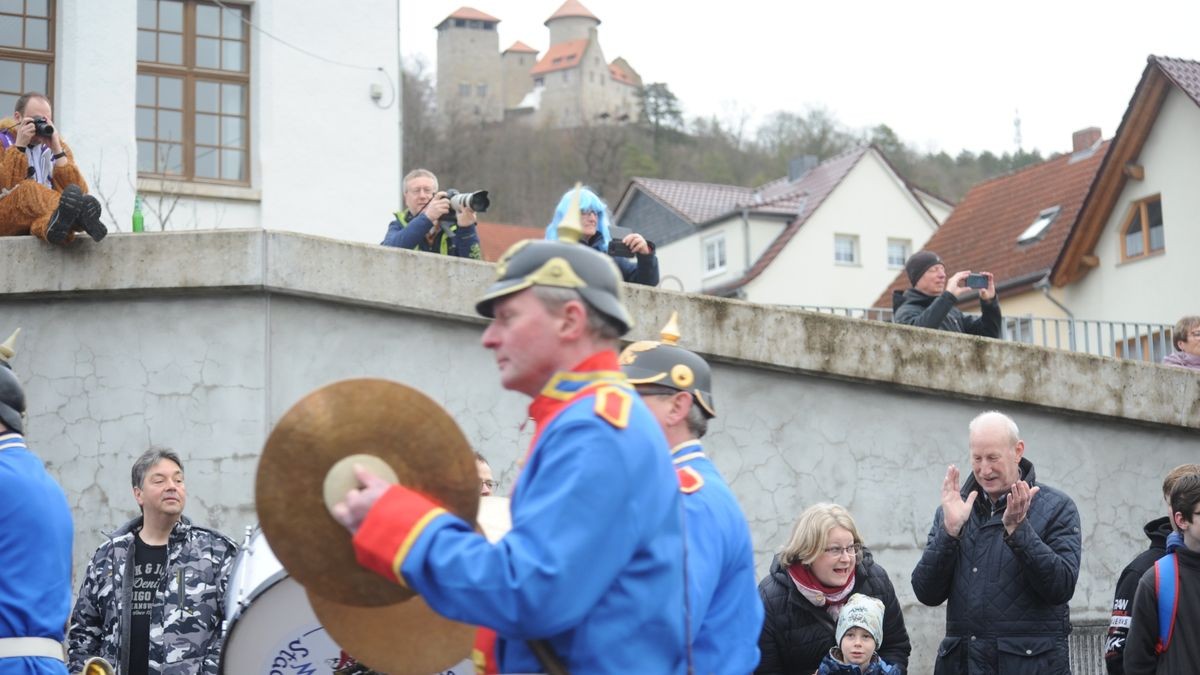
[588, 201]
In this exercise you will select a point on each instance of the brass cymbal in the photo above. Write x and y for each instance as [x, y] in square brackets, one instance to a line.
[398, 424]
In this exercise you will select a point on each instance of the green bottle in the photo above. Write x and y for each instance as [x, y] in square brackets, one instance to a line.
[137, 214]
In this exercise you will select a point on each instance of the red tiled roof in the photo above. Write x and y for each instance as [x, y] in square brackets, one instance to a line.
[1185, 74]
[519, 46]
[572, 8]
[561, 56]
[981, 233]
[620, 75]
[496, 238]
[469, 13]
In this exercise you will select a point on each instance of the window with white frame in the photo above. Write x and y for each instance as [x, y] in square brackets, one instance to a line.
[845, 249]
[898, 251]
[714, 254]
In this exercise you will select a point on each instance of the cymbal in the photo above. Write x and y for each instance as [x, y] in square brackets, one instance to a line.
[404, 639]
[398, 424]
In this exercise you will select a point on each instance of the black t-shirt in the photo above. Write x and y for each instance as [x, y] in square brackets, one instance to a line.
[149, 564]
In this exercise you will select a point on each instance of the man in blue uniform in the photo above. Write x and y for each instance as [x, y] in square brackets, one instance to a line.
[592, 570]
[724, 610]
[35, 545]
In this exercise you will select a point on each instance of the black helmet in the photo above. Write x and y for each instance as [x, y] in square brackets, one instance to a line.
[560, 264]
[666, 364]
[12, 396]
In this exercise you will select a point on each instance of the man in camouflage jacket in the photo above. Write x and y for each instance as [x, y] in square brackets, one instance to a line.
[187, 604]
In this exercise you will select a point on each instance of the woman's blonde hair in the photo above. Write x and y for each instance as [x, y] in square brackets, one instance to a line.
[810, 534]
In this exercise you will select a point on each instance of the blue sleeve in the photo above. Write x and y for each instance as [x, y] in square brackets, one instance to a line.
[1050, 559]
[466, 242]
[646, 270]
[705, 557]
[411, 235]
[574, 529]
[934, 574]
[392, 238]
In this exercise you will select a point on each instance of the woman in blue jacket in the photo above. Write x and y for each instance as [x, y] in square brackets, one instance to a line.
[593, 218]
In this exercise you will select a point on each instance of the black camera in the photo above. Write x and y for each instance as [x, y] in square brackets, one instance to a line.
[477, 201]
[619, 249]
[41, 127]
[976, 281]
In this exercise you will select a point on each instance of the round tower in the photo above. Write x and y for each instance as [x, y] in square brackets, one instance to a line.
[572, 21]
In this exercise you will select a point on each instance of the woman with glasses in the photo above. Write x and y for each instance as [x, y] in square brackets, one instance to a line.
[1187, 344]
[821, 566]
[638, 263]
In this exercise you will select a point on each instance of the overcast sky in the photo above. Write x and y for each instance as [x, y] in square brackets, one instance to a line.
[945, 75]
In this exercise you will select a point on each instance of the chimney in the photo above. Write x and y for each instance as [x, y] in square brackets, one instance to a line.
[801, 165]
[1084, 138]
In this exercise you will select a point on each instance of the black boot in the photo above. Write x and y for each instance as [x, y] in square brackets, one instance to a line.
[70, 205]
[89, 218]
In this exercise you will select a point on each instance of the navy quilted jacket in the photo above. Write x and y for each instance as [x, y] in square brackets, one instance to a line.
[1006, 596]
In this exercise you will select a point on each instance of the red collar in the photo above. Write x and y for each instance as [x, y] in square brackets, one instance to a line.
[567, 385]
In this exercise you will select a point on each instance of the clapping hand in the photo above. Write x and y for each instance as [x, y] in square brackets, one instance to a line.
[1020, 496]
[955, 509]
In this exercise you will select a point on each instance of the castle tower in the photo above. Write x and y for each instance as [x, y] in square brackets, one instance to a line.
[516, 62]
[572, 21]
[469, 78]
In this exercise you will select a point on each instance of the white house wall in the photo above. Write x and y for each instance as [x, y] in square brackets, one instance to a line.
[684, 258]
[1154, 289]
[325, 158]
[870, 203]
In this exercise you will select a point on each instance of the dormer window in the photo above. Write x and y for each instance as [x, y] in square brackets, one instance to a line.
[1040, 225]
[1143, 231]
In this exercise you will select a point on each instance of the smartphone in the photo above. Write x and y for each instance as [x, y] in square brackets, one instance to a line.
[618, 249]
[976, 281]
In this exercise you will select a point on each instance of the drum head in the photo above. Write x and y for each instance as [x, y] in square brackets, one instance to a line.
[278, 632]
[398, 424]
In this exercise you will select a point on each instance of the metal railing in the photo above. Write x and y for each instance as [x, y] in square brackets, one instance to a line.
[1086, 647]
[1119, 339]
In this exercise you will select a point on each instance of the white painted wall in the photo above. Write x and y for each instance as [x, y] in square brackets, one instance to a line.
[325, 158]
[1156, 289]
[684, 258]
[872, 203]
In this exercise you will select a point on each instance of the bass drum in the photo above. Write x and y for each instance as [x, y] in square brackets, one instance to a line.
[272, 628]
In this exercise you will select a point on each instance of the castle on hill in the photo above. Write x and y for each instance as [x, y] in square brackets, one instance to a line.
[572, 85]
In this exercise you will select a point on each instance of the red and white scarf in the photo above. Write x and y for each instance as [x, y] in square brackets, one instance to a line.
[830, 597]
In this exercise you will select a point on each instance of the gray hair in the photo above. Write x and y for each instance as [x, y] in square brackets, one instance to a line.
[148, 459]
[697, 421]
[984, 418]
[420, 173]
[599, 325]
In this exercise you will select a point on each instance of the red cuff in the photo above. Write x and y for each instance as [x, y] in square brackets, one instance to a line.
[390, 528]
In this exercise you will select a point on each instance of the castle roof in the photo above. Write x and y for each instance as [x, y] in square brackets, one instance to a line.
[469, 13]
[561, 56]
[572, 8]
[521, 47]
[622, 72]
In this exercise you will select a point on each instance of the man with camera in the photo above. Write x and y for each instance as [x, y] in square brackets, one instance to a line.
[930, 302]
[426, 223]
[42, 191]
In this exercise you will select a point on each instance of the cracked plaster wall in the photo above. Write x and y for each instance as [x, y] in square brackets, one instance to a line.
[207, 374]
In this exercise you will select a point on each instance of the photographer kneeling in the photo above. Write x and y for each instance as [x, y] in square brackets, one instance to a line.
[42, 191]
[593, 218]
[417, 227]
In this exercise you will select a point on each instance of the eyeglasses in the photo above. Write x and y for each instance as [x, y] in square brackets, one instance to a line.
[1194, 334]
[853, 550]
[489, 484]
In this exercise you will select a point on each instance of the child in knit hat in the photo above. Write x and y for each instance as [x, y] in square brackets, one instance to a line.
[859, 635]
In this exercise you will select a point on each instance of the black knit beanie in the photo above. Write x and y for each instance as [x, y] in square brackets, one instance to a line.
[918, 263]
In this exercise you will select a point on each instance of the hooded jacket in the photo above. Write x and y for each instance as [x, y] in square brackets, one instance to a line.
[1007, 595]
[1157, 532]
[914, 308]
[185, 624]
[797, 634]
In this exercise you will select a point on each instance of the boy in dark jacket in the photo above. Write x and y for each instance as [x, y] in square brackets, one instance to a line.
[859, 634]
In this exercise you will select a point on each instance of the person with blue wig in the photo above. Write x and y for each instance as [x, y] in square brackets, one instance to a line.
[596, 233]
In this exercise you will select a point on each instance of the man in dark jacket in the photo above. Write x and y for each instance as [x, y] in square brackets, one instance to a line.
[930, 302]
[1157, 531]
[1004, 553]
[417, 226]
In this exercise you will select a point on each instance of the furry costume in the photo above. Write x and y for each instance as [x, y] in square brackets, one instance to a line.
[27, 206]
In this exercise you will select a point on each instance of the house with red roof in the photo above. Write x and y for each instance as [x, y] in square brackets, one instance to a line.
[828, 234]
[1107, 233]
[571, 85]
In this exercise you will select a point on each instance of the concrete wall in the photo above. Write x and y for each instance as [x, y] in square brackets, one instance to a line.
[298, 132]
[200, 341]
[871, 204]
[1139, 290]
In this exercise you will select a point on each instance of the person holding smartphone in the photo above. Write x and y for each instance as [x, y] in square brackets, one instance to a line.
[930, 303]
[632, 252]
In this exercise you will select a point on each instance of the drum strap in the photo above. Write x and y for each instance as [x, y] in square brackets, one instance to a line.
[547, 657]
[31, 647]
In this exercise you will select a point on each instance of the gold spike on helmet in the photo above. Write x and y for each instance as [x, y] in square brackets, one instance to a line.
[666, 364]
[561, 264]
